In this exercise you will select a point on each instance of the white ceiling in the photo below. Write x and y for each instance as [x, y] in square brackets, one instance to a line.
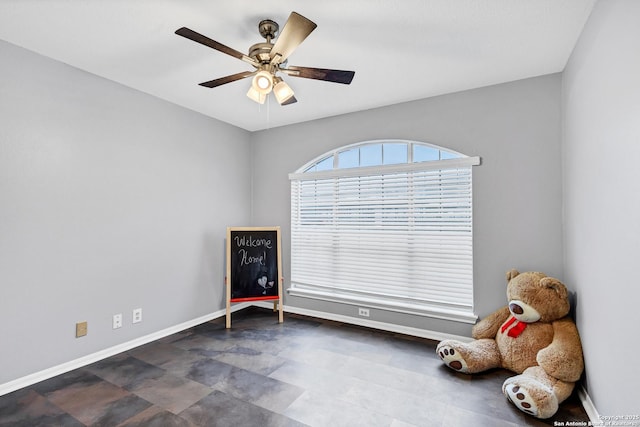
[401, 50]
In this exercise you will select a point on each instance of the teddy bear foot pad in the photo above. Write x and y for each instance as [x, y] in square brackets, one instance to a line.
[521, 398]
[452, 358]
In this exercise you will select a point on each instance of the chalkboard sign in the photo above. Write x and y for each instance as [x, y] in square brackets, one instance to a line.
[253, 266]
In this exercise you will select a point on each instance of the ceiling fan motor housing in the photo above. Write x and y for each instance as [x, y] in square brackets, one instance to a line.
[261, 51]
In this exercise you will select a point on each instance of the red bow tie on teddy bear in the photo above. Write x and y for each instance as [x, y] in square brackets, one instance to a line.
[517, 328]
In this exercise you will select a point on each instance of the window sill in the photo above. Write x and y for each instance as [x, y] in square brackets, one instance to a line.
[417, 309]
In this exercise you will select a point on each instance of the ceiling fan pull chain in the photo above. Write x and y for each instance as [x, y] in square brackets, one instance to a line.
[268, 113]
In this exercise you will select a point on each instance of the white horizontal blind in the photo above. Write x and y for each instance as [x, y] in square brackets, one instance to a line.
[400, 236]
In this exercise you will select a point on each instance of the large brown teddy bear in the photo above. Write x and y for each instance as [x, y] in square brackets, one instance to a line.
[533, 337]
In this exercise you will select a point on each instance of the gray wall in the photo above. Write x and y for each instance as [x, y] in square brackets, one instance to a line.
[109, 200]
[601, 110]
[515, 129]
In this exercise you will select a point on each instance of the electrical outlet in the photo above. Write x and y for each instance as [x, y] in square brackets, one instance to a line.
[137, 315]
[364, 312]
[117, 321]
[81, 329]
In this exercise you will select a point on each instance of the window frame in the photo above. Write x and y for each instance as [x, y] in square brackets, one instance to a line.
[437, 309]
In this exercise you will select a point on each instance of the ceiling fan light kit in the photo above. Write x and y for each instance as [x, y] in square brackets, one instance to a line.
[257, 96]
[263, 81]
[268, 59]
[282, 91]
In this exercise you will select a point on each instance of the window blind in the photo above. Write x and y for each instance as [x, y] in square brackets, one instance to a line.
[396, 237]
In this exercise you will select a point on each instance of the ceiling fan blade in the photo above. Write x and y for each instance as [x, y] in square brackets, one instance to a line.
[199, 38]
[335, 76]
[295, 30]
[228, 79]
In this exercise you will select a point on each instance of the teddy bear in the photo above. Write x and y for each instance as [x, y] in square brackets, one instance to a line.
[532, 336]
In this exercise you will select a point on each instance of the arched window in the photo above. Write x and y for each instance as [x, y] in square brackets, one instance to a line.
[385, 224]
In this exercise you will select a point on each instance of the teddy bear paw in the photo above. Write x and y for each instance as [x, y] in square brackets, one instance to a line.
[452, 358]
[520, 397]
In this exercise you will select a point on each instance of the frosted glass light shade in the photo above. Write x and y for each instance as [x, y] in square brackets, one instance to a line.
[256, 95]
[282, 91]
[262, 82]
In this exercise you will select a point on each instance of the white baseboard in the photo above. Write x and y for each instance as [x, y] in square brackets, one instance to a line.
[108, 352]
[389, 327]
[589, 407]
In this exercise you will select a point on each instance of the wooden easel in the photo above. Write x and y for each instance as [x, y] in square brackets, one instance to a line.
[244, 252]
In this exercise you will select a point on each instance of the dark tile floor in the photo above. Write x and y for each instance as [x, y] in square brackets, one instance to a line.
[304, 371]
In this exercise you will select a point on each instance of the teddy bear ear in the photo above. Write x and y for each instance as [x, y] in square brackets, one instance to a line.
[511, 274]
[553, 283]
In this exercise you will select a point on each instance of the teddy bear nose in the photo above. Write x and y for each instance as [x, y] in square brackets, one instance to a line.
[515, 308]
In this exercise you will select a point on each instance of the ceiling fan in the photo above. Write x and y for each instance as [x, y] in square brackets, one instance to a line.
[269, 59]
